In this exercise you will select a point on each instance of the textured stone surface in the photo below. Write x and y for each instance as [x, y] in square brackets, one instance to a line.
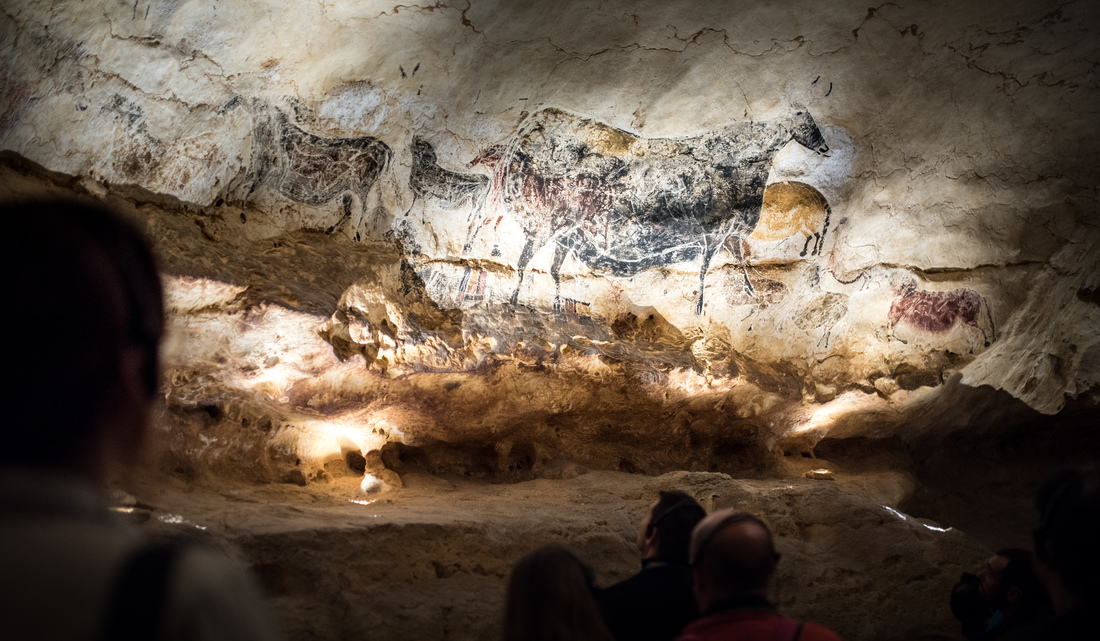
[546, 231]
[525, 240]
[431, 562]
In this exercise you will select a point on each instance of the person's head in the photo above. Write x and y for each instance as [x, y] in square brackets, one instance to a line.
[969, 605]
[665, 531]
[85, 297]
[550, 598]
[1008, 581]
[1066, 549]
[732, 553]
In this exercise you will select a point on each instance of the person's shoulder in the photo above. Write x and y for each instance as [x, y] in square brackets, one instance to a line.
[212, 597]
[625, 587]
[816, 632]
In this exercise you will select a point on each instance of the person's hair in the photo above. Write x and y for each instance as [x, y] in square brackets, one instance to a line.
[968, 604]
[82, 286]
[1069, 509]
[550, 598]
[1019, 572]
[737, 568]
[675, 516]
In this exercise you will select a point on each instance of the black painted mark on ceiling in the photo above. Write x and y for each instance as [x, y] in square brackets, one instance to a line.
[451, 189]
[314, 170]
[622, 203]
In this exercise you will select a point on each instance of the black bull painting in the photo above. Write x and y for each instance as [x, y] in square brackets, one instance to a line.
[618, 202]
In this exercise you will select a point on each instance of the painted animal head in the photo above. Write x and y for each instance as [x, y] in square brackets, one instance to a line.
[422, 151]
[804, 130]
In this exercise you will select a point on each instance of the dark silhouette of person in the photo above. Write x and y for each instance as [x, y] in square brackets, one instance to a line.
[85, 317]
[551, 598]
[656, 603]
[1017, 604]
[969, 606]
[1067, 552]
[733, 559]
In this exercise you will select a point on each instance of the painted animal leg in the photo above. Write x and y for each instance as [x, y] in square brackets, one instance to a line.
[989, 340]
[560, 252]
[806, 247]
[524, 258]
[346, 201]
[479, 214]
[710, 248]
[744, 270]
[820, 244]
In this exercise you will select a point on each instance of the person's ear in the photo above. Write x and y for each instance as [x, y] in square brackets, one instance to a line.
[653, 537]
[133, 402]
[1014, 594]
[699, 580]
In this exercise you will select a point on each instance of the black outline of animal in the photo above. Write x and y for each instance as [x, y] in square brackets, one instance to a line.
[561, 188]
[275, 136]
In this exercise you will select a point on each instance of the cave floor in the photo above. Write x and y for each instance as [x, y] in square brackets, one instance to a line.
[430, 560]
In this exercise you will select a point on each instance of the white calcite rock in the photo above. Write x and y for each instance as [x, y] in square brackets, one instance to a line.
[618, 233]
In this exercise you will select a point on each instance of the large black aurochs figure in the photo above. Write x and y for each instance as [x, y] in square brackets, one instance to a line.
[622, 203]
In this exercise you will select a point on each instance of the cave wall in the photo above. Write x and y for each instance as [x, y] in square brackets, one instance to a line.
[509, 238]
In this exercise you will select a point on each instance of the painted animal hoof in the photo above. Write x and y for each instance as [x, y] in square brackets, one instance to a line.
[330, 229]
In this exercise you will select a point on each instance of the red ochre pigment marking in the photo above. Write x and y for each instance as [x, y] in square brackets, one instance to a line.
[936, 312]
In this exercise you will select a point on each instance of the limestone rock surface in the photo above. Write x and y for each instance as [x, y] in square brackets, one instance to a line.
[635, 238]
[418, 250]
[432, 561]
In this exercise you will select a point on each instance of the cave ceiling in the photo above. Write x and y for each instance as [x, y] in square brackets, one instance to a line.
[508, 237]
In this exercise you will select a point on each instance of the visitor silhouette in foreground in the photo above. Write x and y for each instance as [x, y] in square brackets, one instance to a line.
[1017, 604]
[1067, 551]
[970, 606]
[550, 598]
[86, 316]
[656, 603]
[733, 558]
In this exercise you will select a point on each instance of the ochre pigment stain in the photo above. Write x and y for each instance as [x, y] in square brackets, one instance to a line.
[789, 208]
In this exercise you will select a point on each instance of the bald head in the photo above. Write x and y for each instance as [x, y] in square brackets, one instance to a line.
[732, 553]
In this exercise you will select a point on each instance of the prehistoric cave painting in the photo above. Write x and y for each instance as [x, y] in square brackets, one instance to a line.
[472, 289]
[449, 189]
[939, 312]
[824, 312]
[621, 203]
[576, 309]
[136, 154]
[314, 170]
[789, 208]
[765, 293]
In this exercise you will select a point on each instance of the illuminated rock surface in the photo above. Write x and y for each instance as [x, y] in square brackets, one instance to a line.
[513, 241]
[843, 542]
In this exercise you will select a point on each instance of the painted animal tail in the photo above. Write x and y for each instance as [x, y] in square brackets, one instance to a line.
[989, 317]
[819, 246]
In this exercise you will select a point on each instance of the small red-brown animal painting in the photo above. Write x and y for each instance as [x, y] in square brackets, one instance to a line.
[939, 312]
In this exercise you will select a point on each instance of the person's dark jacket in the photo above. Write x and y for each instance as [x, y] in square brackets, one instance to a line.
[653, 605]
